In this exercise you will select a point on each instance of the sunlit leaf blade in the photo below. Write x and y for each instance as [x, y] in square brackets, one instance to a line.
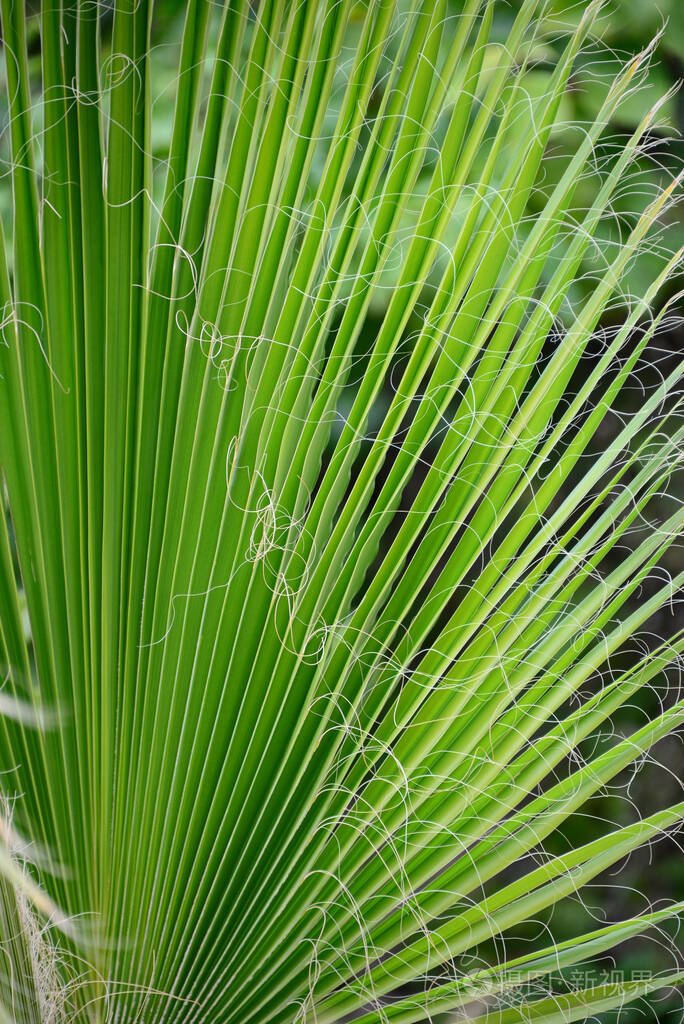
[333, 538]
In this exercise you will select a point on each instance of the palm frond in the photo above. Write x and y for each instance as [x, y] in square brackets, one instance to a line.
[313, 550]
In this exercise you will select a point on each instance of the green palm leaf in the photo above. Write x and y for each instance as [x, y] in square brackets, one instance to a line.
[318, 588]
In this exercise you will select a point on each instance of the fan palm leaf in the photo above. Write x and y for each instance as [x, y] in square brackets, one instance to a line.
[313, 577]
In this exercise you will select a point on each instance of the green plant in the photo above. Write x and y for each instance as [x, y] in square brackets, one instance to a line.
[320, 659]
